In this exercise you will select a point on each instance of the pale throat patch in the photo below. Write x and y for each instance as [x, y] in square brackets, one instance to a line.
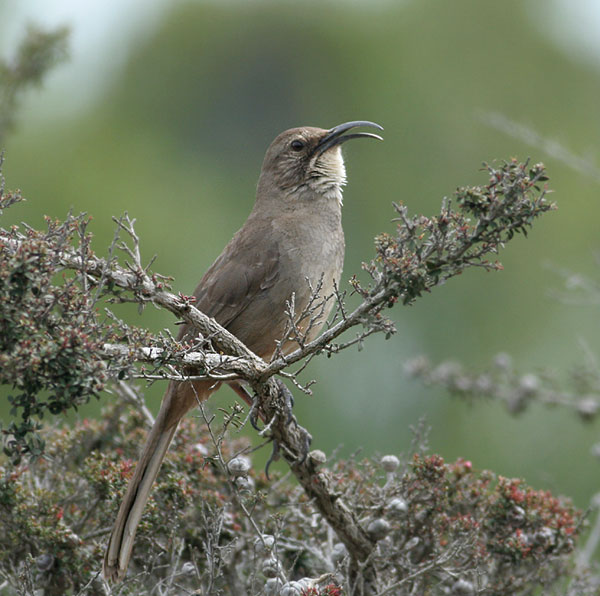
[328, 174]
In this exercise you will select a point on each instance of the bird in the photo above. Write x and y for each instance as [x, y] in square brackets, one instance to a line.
[291, 242]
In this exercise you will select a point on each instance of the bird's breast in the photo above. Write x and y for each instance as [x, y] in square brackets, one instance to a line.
[313, 258]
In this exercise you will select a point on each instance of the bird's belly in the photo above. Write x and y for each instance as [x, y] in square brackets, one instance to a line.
[292, 299]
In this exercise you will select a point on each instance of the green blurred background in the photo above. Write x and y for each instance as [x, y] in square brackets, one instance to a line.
[166, 108]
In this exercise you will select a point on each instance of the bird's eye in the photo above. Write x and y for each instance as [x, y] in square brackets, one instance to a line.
[297, 145]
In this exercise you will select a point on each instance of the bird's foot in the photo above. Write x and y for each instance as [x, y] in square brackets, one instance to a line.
[254, 415]
[273, 457]
[275, 453]
[288, 405]
[252, 402]
[288, 400]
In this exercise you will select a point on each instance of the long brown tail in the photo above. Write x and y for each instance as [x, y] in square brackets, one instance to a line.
[178, 400]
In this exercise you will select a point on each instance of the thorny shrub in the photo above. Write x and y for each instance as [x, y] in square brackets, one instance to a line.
[51, 328]
[426, 251]
[52, 332]
[215, 525]
[49, 337]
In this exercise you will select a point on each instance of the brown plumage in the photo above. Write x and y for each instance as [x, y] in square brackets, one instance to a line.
[293, 236]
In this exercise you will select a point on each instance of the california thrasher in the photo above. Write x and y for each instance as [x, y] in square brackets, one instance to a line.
[292, 238]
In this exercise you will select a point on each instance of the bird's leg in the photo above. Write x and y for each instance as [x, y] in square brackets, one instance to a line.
[288, 398]
[255, 413]
[289, 401]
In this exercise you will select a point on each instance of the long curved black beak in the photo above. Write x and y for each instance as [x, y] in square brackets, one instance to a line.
[336, 136]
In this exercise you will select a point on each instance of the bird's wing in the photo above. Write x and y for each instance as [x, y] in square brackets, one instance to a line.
[248, 266]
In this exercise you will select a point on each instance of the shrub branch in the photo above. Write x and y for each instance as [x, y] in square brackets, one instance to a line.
[423, 253]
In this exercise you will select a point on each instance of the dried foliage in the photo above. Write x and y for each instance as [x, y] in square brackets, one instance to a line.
[214, 525]
[578, 390]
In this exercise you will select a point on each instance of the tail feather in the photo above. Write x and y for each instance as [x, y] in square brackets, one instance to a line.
[178, 400]
[122, 537]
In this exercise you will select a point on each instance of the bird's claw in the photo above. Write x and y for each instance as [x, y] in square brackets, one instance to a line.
[254, 415]
[273, 457]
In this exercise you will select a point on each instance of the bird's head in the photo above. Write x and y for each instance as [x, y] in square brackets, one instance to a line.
[309, 160]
